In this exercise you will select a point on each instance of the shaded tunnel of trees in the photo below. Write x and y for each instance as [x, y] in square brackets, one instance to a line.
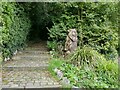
[93, 64]
[41, 15]
[96, 25]
[39, 21]
[21, 22]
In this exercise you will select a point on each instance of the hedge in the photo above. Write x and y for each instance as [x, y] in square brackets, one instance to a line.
[14, 28]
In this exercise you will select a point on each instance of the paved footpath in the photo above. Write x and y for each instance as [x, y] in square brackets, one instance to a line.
[29, 69]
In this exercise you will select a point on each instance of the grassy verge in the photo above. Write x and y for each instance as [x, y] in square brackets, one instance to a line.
[55, 63]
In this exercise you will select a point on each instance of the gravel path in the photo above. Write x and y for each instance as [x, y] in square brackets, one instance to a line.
[29, 69]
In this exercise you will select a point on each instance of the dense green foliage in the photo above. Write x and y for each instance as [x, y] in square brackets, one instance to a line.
[55, 63]
[89, 78]
[94, 64]
[14, 29]
[85, 56]
[96, 24]
[42, 15]
[92, 71]
[0, 35]
[91, 66]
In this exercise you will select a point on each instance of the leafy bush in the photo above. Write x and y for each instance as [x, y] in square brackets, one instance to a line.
[58, 32]
[86, 68]
[93, 71]
[93, 23]
[54, 63]
[88, 78]
[85, 56]
[52, 45]
[15, 28]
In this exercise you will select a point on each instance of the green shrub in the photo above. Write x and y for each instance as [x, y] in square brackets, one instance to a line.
[1, 27]
[85, 56]
[57, 33]
[16, 25]
[88, 69]
[86, 77]
[94, 26]
[52, 45]
[54, 63]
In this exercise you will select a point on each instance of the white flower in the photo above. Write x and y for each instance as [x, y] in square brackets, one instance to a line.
[55, 70]
[59, 74]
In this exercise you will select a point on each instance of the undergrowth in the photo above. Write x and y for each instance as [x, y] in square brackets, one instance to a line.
[87, 68]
